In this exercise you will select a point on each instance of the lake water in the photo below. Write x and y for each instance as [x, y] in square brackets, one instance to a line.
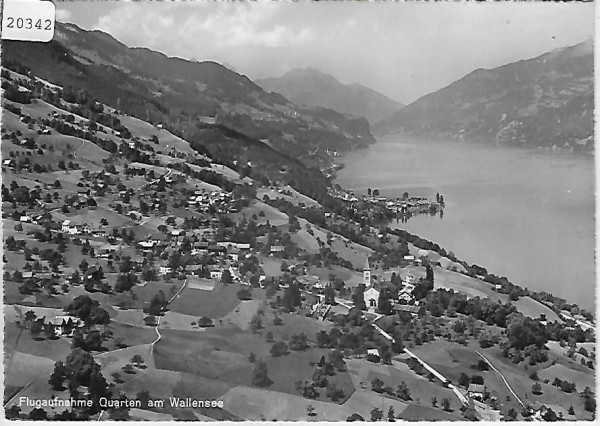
[527, 215]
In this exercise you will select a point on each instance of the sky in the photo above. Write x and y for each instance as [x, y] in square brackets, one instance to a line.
[403, 50]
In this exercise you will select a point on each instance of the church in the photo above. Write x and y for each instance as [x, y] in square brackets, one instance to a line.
[371, 293]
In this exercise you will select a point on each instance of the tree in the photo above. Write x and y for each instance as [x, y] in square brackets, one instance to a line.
[358, 298]
[38, 414]
[524, 331]
[464, 380]
[58, 376]
[227, 278]
[536, 389]
[376, 414]
[550, 416]
[377, 385]
[323, 339]
[355, 417]
[403, 392]
[336, 358]
[205, 322]
[98, 387]
[79, 366]
[255, 323]
[36, 328]
[260, 373]
[589, 404]
[482, 365]
[469, 413]
[446, 404]
[477, 379]
[383, 304]
[512, 414]
[334, 392]
[137, 359]
[310, 411]
[12, 413]
[329, 295]
[391, 416]
[434, 401]
[244, 294]
[459, 327]
[278, 349]
[298, 342]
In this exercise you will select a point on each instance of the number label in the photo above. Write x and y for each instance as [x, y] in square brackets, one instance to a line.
[28, 20]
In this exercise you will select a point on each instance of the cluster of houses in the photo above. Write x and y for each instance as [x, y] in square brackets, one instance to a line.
[403, 301]
[402, 205]
[76, 226]
[202, 199]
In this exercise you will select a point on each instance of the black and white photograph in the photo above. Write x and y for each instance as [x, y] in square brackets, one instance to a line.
[298, 211]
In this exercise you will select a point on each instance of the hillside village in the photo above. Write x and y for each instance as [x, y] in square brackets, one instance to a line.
[137, 268]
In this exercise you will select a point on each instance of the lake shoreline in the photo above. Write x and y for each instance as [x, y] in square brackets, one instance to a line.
[549, 228]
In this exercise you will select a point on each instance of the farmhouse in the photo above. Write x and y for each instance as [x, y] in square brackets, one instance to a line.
[277, 249]
[540, 410]
[194, 269]
[413, 310]
[309, 281]
[73, 228]
[147, 245]
[65, 325]
[476, 391]
[216, 273]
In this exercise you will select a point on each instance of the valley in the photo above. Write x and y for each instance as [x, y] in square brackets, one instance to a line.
[178, 246]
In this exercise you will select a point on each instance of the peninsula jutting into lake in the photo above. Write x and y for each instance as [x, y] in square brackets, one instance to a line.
[235, 211]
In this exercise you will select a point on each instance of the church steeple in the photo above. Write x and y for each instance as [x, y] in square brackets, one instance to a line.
[367, 273]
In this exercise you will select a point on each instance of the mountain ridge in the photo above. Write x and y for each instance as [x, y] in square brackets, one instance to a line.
[311, 86]
[543, 101]
[166, 89]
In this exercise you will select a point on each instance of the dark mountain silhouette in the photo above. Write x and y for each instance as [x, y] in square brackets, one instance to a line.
[311, 87]
[544, 101]
[167, 90]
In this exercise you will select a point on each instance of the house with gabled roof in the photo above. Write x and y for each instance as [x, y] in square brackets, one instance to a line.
[65, 325]
[476, 391]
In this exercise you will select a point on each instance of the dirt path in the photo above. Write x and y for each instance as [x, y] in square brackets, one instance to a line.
[79, 147]
[105, 353]
[158, 335]
[503, 378]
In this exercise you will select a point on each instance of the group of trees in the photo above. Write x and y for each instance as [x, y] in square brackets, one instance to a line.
[80, 369]
[442, 301]
[402, 391]
[88, 310]
[320, 378]
[157, 304]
